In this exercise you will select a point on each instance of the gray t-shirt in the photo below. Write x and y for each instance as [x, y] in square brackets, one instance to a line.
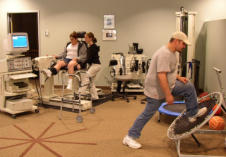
[163, 60]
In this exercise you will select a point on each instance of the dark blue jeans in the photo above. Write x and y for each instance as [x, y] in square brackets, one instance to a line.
[187, 90]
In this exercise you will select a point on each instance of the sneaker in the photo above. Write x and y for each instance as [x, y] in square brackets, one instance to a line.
[129, 141]
[76, 96]
[69, 85]
[47, 72]
[200, 113]
[95, 99]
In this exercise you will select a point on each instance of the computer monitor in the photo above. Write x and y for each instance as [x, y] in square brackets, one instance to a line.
[17, 43]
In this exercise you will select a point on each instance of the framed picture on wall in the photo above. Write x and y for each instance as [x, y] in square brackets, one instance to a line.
[109, 21]
[109, 34]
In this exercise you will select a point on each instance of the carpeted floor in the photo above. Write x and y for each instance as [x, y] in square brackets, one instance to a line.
[100, 135]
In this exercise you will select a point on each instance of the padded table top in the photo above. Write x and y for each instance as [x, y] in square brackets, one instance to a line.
[129, 77]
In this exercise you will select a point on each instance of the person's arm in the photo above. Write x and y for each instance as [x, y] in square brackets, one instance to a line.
[82, 54]
[62, 54]
[165, 87]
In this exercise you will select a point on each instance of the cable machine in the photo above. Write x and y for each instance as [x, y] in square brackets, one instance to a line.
[185, 22]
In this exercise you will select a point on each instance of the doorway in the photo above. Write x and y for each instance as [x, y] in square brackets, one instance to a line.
[26, 22]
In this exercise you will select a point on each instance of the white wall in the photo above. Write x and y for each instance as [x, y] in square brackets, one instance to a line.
[148, 22]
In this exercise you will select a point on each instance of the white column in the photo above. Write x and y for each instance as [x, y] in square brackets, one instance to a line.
[178, 28]
[191, 48]
[191, 38]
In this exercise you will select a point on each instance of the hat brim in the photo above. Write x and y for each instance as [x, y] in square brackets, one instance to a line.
[187, 42]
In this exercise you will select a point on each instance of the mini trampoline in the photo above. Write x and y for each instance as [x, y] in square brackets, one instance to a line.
[182, 128]
[172, 110]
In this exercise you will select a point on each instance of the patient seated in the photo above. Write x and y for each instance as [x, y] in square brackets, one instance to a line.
[73, 56]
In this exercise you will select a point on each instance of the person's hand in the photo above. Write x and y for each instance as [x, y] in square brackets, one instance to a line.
[74, 59]
[183, 79]
[78, 66]
[169, 99]
[54, 56]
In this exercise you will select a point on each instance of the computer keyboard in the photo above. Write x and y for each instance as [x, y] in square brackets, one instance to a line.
[22, 76]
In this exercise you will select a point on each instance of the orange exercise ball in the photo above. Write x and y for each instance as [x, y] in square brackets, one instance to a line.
[218, 111]
[216, 123]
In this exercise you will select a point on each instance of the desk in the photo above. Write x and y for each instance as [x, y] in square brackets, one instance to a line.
[124, 79]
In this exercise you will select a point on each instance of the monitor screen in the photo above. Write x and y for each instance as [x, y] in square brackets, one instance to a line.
[16, 43]
[19, 41]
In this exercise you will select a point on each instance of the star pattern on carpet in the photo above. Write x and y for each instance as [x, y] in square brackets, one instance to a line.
[41, 140]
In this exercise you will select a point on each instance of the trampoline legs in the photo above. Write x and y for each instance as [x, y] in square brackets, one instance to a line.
[178, 147]
[196, 140]
[178, 142]
[159, 117]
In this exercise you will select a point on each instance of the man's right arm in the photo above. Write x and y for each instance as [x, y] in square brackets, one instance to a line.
[162, 76]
